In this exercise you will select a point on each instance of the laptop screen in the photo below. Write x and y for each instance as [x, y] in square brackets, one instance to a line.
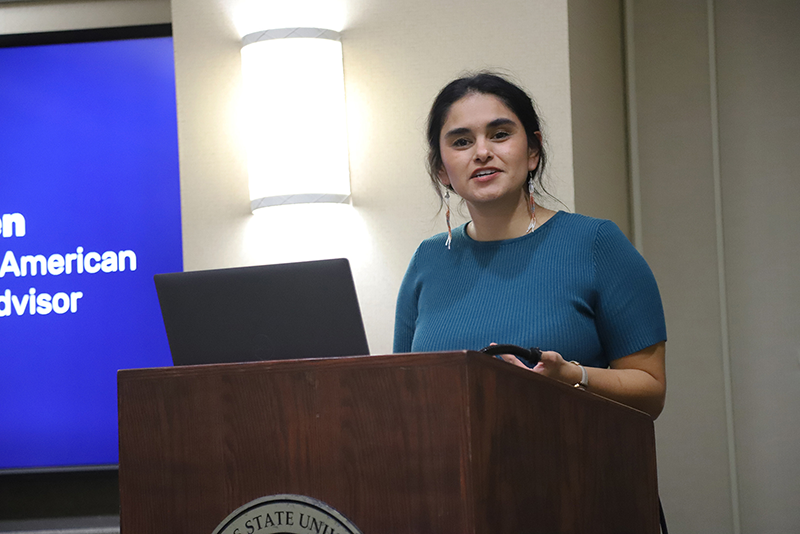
[267, 312]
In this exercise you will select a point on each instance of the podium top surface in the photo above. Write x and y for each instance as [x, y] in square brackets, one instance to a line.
[466, 359]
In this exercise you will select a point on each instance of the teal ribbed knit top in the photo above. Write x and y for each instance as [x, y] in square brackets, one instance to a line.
[576, 285]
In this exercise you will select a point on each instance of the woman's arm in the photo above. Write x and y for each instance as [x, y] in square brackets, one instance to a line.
[638, 380]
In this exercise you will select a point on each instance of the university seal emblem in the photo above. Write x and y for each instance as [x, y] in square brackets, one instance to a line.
[286, 514]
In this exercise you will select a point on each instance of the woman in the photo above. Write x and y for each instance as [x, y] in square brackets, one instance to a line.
[522, 274]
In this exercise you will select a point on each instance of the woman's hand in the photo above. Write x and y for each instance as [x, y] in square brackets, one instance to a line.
[638, 380]
[552, 365]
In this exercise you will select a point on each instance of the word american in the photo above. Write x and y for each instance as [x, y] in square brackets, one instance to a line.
[74, 262]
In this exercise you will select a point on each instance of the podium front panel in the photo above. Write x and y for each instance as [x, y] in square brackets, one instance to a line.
[450, 443]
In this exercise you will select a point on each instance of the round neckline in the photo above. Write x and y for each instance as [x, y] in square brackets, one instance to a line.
[510, 240]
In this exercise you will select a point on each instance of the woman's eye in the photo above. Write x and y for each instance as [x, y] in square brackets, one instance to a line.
[501, 135]
[461, 142]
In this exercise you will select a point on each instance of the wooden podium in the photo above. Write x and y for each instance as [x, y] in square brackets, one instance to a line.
[448, 443]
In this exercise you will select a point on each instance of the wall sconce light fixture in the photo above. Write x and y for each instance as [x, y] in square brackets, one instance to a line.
[295, 117]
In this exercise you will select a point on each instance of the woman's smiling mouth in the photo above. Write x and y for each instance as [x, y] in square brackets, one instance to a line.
[484, 174]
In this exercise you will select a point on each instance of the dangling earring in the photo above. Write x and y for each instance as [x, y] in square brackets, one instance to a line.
[532, 206]
[447, 218]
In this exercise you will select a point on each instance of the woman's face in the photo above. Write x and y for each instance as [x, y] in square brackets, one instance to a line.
[485, 152]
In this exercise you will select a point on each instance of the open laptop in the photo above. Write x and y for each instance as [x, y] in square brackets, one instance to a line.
[267, 312]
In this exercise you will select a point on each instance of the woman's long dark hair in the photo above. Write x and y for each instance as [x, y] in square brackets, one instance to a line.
[487, 83]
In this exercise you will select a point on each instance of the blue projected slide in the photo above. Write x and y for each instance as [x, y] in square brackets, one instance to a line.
[89, 211]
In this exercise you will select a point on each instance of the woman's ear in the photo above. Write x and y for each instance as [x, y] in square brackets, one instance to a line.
[533, 153]
[533, 159]
[443, 178]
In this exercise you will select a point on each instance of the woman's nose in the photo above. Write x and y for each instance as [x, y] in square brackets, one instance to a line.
[482, 151]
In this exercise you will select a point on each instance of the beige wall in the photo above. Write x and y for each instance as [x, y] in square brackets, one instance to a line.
[679, 241]
[757, 48]
[599, 132]
[718, 113]
[26, 17]
[397, 55]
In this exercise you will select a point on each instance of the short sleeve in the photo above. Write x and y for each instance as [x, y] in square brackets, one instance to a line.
[628, 311]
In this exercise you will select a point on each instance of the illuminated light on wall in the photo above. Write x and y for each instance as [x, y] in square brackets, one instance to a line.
[249, 16]
[294, 117]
